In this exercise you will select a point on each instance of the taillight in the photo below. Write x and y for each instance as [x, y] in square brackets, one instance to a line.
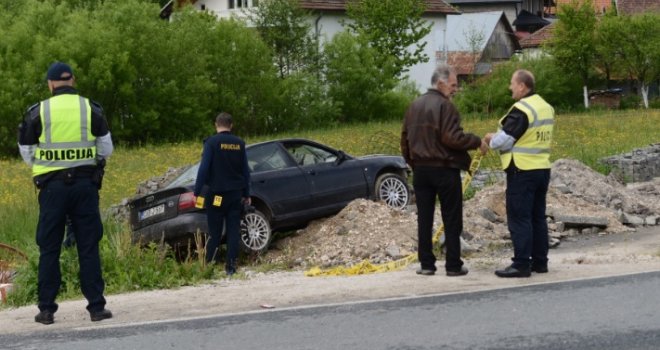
[186, 201]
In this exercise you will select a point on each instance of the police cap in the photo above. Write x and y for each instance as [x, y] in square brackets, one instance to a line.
[59, 71]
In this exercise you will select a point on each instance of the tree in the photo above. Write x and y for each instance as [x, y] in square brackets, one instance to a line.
[394, 28]
[283, 25]
[634, 44]
[355, 80]
[573, 43]
[475, 39]
[158, 81]
[607, 31]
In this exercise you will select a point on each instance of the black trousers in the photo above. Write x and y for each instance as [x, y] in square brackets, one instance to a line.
[228, 212]
[79, 201]
[445, 184]
[525, 210]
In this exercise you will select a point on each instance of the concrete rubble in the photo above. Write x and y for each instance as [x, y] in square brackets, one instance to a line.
[580, 202]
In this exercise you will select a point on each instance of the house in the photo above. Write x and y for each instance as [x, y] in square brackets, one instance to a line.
[526, 16]
[474, 42]
[622, 7]
[631, 7]
[510, 7]
[532, 44]
[527, 23]
[326, 19]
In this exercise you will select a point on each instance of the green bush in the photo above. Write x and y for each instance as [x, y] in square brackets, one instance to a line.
[355, 82]
[158, 81]
[631, 101]
[302, 104]
[490, 96]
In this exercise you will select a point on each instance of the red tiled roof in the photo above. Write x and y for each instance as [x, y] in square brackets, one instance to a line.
[432, 6]
[538, 37]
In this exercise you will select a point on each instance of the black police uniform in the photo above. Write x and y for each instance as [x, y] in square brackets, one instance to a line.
[72, 193]
[224, 169]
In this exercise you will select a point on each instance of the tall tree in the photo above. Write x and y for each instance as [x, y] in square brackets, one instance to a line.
[573, 43]
[283, 25]
[634, 43]
[607, 33]
[395, 28]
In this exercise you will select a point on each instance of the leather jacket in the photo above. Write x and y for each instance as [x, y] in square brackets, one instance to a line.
[432, 134]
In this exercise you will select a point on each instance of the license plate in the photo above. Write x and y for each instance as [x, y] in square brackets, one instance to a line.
[157, 210]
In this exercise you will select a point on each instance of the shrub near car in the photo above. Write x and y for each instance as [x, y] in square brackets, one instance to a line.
[293, 181]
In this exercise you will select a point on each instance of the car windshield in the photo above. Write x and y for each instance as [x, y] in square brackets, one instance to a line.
[188, 177]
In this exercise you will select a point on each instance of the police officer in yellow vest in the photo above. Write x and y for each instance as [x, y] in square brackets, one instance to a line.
[523, 140]
[65, 139]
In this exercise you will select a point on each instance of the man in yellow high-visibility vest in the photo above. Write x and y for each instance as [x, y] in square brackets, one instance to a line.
[65, 139]
[524, 140]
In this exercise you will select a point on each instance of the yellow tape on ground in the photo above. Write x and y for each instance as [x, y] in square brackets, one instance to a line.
[366, 267]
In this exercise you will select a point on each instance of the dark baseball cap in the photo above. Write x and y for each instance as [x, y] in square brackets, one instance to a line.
[59, 71]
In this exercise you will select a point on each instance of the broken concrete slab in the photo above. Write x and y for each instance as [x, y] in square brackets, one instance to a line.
[582, 221]
[630, 219]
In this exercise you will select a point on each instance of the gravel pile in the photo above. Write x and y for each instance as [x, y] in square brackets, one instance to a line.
[373, 231]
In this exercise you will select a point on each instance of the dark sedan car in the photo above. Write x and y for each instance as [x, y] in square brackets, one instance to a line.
[293, 182]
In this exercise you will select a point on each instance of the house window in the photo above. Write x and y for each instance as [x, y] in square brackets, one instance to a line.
[237, 4]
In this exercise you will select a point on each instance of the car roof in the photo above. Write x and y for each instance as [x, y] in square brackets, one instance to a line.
[285, 140]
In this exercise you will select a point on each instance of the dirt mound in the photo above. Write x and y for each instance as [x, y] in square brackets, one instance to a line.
[362, 230]
[373, 231]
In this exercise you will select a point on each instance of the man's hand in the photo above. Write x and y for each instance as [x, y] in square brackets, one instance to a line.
[484, 147]
[488, 137]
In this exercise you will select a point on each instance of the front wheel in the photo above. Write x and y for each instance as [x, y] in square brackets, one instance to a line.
[256, 233]
[393, 190]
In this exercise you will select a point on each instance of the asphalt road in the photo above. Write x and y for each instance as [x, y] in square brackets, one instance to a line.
[607, 313]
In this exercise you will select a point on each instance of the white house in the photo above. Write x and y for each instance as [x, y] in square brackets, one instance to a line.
[326, 20]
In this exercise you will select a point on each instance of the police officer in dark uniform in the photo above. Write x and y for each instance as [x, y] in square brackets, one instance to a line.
[65, 139]
[224, 169]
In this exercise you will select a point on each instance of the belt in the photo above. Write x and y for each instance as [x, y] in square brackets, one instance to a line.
[72, 173]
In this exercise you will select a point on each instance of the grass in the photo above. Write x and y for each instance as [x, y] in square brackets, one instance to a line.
[585, 137]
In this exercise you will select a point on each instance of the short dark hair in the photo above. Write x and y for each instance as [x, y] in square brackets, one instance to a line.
[223, 119]
[526, 78]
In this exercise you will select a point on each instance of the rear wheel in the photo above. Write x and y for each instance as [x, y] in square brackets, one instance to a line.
[393, 190]
[256, 233]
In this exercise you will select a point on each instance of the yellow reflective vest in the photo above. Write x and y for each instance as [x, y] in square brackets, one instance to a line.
[532, 150]
[66, 139]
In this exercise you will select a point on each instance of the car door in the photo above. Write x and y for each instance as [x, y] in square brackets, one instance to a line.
[278, 181]
[333, 181]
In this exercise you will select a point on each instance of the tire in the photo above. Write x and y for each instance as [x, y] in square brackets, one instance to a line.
[393, 190]
[256, 233]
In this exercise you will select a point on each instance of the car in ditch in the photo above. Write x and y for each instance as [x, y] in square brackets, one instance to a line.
[293, 181]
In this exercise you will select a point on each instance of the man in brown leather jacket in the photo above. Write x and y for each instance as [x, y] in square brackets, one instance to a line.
[435, 146]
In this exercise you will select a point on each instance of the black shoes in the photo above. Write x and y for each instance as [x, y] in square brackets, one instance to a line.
[45, 317]
[462, 272]
[452, 273]
[100, 315]
[425, 272]
[540, 268]
[511, 271]
[230, 271]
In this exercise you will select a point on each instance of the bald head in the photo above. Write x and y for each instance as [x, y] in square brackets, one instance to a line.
[522, 84]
